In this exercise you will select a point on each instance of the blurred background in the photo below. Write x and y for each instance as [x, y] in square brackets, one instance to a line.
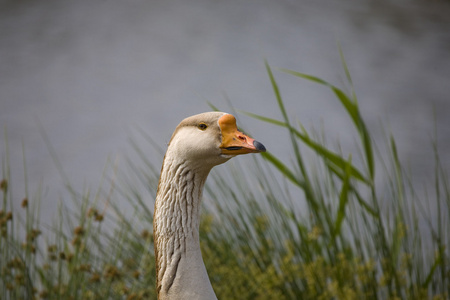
[90, 74]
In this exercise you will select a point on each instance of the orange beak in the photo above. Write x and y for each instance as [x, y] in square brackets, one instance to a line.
[235, 142]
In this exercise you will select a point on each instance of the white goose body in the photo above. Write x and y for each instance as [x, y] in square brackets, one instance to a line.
[199, 143]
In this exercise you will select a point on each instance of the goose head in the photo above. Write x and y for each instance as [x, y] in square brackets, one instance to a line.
[209, 139]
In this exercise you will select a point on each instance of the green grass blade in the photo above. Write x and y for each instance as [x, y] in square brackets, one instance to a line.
[347, 72]
[213, 107]
[433, 268]
[330, 156]
[265, 119]
[319, 149]
[349, 105]
[276, 91]
[364, 204]
[352, 109]
[306, 76]
[343, 200]
[284, 170]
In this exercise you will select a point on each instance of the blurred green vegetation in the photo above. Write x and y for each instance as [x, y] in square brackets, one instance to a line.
[348, 236]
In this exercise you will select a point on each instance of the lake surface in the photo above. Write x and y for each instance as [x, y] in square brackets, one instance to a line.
[91, 73]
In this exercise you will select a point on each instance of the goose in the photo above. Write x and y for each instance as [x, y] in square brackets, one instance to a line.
[198, 143]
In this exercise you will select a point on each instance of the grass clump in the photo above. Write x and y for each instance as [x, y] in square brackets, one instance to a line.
[349, 234]
[323, 226]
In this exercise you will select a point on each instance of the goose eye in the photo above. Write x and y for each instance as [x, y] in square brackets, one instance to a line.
[202, 126]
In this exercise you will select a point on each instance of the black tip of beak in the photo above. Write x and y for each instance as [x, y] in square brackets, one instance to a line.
[260, 147]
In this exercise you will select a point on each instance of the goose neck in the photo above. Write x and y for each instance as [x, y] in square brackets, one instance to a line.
[181, 273]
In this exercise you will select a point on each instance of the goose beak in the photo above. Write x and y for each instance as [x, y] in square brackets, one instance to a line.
[235, 142]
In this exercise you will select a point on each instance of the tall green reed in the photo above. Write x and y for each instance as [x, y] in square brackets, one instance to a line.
[354, 236]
